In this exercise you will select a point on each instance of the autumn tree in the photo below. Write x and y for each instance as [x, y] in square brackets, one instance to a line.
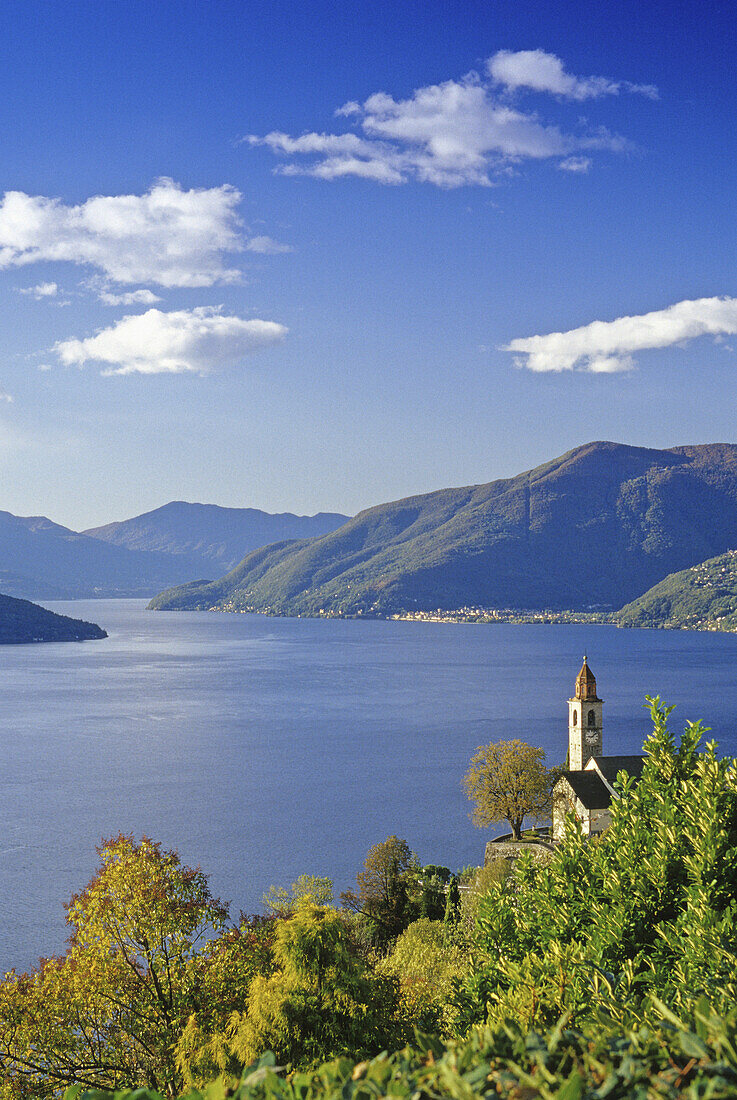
[322, 1000]
[387, 889]
[149, 946]
[508, 781]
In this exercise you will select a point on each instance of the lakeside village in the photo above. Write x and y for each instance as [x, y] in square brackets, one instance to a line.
[502, 615]
[455, 615]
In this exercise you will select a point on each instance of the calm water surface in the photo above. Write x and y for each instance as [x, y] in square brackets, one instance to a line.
[263, 748]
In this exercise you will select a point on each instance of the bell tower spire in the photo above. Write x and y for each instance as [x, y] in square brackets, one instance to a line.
[585, 721]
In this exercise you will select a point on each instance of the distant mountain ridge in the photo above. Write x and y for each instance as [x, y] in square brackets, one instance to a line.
[219, 537]
[40, 559]
[595, 527]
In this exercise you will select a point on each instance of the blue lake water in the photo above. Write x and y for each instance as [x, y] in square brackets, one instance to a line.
[262, 748]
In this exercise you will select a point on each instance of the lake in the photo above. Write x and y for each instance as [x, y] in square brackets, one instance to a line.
[263, 748]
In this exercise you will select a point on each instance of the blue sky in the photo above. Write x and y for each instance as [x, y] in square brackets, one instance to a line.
[300, 310]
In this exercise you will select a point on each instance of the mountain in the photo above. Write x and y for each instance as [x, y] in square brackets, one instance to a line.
[594, 528]
[703, 597]
[213, 537]
[42, 560]
[21, 621]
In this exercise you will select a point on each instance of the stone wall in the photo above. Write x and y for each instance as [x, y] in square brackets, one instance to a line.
[513, 849]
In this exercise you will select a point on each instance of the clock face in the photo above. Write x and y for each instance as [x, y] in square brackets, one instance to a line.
[591, 737]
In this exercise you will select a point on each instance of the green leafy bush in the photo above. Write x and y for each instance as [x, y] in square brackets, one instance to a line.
[429, 960]
[649, 908]
[674, 1060]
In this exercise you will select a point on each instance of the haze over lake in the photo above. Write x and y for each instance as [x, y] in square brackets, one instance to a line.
[262, 748]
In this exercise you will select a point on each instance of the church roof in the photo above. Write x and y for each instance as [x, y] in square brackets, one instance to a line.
[590, 789]
[585, 683]
[611, 766]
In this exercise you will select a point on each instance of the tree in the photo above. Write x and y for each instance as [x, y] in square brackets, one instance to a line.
[385, 888]
[430, 960]
[508, 781]
[452, 902]
[432, 882]
[322, 1001]
[283, 902]
[149, 946]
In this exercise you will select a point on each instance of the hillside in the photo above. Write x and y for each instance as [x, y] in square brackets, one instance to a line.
[21, 621]
[703, 597]
[40, 559]
[215, 539]
[595, 527]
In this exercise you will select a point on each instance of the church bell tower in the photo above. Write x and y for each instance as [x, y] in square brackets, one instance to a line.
[585, 735]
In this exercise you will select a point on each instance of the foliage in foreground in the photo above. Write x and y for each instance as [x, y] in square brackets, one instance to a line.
[591, 955]
[321, 1001]
[648, 909]
[674, 1061]
[149, 945]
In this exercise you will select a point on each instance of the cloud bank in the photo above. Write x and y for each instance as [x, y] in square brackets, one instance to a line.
[460, 132]
[167, 236]
[609, 346]
[184, 341]
[539, 71]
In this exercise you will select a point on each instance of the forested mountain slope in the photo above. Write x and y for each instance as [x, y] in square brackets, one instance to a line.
[702, 597]
[595, 527]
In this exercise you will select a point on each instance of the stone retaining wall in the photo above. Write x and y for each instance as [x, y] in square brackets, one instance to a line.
[513, 849]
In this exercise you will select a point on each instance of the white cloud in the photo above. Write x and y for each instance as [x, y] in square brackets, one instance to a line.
[40, 291]
[267, 246]
[197, 341]
[168, 236]
[575, 164]
[539, 71]
[451, 134]
[129, 298]
[609, 346]
[5, 396]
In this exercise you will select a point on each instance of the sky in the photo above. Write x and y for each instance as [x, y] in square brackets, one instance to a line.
[314, 257]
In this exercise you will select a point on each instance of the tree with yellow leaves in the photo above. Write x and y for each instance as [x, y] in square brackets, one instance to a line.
[508, 781]
[149, 946]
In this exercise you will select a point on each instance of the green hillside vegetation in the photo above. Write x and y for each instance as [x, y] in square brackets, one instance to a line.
[594, 528]
[22, 621]
[609, 971]
[703, 597]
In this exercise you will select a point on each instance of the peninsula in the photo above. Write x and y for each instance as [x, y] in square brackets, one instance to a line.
[22, 621]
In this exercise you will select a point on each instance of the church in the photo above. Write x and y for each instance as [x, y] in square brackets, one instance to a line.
[587, 788]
